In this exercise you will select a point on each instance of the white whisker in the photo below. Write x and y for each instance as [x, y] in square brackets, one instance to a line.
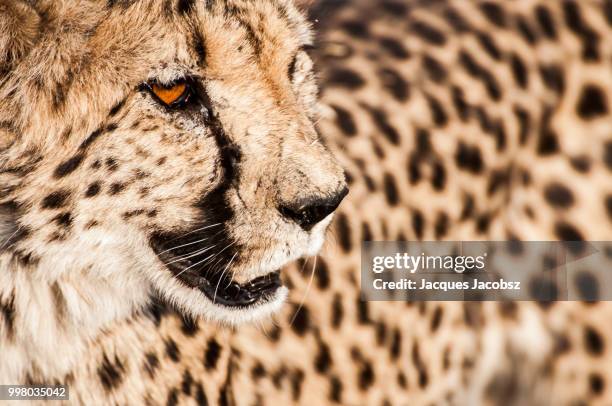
[198, 252]
[9, 238]
[314, 266]
[221, 277]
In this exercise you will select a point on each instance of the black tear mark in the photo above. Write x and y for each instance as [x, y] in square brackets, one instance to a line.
[115, 109]
[94, 135]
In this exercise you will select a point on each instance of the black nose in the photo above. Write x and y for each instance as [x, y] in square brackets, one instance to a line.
[308, 212]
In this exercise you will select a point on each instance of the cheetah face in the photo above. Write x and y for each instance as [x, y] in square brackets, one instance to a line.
[191, 166]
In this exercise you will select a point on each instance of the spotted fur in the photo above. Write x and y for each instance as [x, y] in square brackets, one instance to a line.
[455, 120]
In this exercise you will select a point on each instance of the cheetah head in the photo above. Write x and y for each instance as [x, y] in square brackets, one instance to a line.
[162, 148]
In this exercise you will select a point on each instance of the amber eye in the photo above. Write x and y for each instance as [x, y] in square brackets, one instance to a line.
[171, 95]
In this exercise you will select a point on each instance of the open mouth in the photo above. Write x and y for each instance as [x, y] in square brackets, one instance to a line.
[216, 284]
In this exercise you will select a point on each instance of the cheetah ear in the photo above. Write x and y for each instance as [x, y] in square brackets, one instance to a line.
[19, 25]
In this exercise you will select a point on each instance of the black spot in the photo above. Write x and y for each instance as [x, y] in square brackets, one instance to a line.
[344, 232]
[543, 289]
[344, 120]
[172, 351]
[592, 341]
[524, 121]
[366, 376]
[438, 114]
[212, 354]
[558, 195]
[345, 78]
[418, 223]
[395, 348]
[56, 199]
[301, 320]
[567, 232]
[438, 176]
[423, 142]
[380, 119]
[414, 171]
[456, 20]
[489, 45]
[608, 204]
[468, 158]
[393, 47]
[607, 9]
[200, 397]
[497, 180]
[483, 222]
[596, 383]
[93, 189]
[518, 70]
[323, 360]
[381, 332]
[68, 166]
[366, 232]
[110, 373]
[428, 33]
[7, 309]
[526, 30]
[363, 311]
[151, 363]
[552, 76]
[494, 13]
[575, 22]
[441, 225]
[116, 188]
[185, 6]
[322, 274]
[199, 46]
[546, 21]
[172, 397]
[394, 83]
[476, 70]
[111, 164]
[63, 219]
[436, 319]
[547, 142]
[337, 313]
[460, 104]
[468, 207]
[296, 378]
[258, 371]
[581, 163]
[394, 8]
[434, 68]
[607, 155]
[391, 190]
[335, 389]
[592, 102]
[356, 28]
[401, 380]
[587, 286]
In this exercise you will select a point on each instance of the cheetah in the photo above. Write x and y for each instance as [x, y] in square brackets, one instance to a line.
[161, 160]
